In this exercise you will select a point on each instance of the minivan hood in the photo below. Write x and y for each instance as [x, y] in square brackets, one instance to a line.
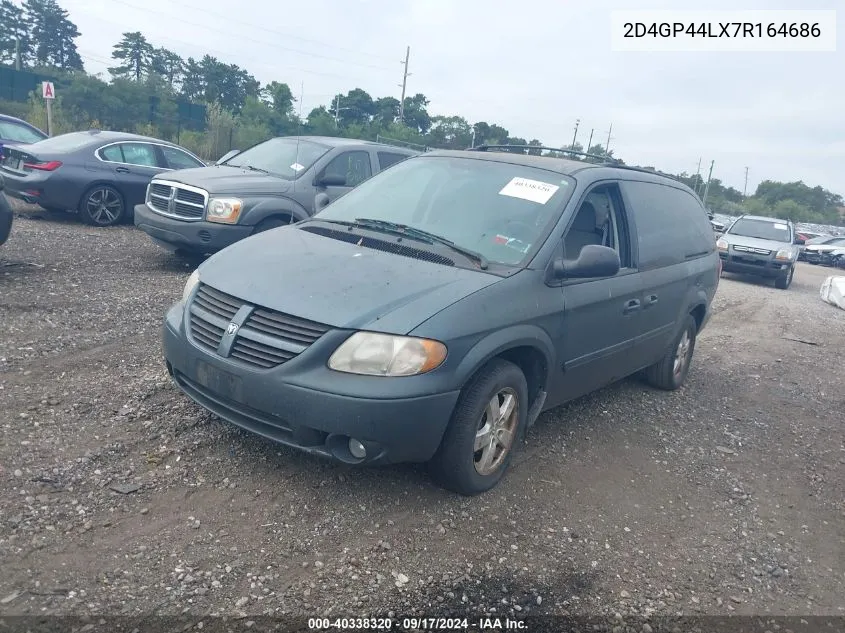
[337, 283]
[228, 180]
[754, 242]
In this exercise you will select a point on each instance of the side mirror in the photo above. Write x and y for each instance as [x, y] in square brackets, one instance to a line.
[593, 261]
[330, 181]
[230, 154]
[321, 201]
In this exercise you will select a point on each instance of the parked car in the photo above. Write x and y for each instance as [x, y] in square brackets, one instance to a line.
[101, 175]
[760, 246]
[835, 258]
[6, 215]
[279, 181]
[814, 253]
[14, 131]
[434, 311]
[818, 239]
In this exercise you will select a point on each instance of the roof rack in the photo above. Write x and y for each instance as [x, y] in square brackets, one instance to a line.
[484, 147]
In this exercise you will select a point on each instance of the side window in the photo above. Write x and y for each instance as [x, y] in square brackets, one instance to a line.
[353, 167]
[11, 131]
[112, 153]
[142, 154]
[672, 225]
[386, 159]
[600, 219]
[177, 159]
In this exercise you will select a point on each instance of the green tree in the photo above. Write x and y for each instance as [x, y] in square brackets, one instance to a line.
[136, 55]
[168, 65]
[226, 84]
[356, 107]
[321, 122]
[386, 111]
[193, 82]
[14, 32]
[416, 114]
[452, 132]
[280, 96]
[53, 35]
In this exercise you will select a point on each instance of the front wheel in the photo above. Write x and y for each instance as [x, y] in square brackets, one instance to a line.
[488, 422]
[782, 283]
[102, 205]
[670, 372]
[271, 223]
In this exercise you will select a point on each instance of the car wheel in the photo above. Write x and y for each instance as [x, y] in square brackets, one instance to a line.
[782, 283]
[488, 422]
[102, 205]
[271, 223]
[671, 371]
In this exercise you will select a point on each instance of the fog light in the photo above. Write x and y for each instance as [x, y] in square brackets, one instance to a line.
[357, 449]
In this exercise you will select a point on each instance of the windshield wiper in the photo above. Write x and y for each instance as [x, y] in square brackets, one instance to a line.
[424, 236]
[249, 167]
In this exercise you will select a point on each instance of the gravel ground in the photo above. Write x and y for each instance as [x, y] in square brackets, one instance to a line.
[119, 496]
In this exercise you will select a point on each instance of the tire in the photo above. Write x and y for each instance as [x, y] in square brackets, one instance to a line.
[102, 205]
[782, 283]
[457, 466]
[665, 374]
[271, 223]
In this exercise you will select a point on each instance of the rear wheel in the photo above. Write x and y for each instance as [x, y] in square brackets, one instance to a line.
[782, 283]
[102, 205]
[488, 422]
[671, 371]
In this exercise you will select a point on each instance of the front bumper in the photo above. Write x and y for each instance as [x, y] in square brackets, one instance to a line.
[752, 264]
[310, 416]
[195, 236]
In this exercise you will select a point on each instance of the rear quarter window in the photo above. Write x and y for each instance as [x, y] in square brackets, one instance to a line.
[672, 225]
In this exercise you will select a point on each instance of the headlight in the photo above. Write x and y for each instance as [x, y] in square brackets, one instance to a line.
[374, 354]
[784, 253]
[722, 245]
[223, 210]
[192, 282]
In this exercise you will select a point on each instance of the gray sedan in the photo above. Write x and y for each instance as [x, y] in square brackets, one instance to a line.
[100, 174]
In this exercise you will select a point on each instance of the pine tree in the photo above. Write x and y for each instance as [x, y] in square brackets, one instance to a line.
[136, 53]
[14, 34]
[53, 35]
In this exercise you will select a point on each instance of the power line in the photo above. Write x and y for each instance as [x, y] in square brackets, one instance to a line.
[229, 33]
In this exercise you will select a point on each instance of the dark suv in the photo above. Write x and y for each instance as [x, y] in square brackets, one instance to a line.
[434, 311]
[277, 182]
[760, 246]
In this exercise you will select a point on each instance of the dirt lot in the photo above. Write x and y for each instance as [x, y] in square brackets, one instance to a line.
[725, 497]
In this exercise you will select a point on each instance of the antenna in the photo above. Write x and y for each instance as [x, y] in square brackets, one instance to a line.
[298, 136]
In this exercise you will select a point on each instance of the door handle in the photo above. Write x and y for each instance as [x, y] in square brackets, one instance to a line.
[122, 170]
[650, 301]
[631, 306]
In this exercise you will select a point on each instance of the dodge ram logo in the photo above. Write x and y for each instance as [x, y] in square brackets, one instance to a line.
[233, 327]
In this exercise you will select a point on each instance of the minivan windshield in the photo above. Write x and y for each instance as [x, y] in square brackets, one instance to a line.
[286, 157]
[762, 229]
[498, 210]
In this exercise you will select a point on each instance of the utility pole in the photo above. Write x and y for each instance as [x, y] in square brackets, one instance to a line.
[697, 175]
[17, 52]
[404, 84]
[607, 145]
[574, 136]
[745, 186]
[336, 111]
[707, 186]
[473, 137]
[591, 139]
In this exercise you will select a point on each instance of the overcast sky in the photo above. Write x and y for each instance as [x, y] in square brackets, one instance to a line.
[533, 66]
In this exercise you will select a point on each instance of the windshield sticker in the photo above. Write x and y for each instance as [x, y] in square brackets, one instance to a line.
[531, 190]
[297, 167]
[780, 226]
[512, 242]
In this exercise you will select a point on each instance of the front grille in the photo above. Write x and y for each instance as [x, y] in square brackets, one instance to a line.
[749, 249]
[186, 203]
[265, 339]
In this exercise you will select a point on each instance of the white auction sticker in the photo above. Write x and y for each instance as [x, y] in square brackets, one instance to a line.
[780, 226]
[297, 167]
[532, 190]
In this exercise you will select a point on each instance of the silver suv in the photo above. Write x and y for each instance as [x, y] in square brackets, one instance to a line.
[761, 246]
